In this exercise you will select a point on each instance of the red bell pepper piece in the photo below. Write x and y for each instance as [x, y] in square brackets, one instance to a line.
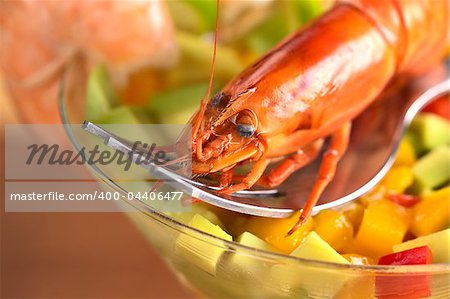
[405, 200]
[440, 107]
[408, 286]
[415, 256]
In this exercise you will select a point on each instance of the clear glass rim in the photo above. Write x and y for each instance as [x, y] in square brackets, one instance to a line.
[436, 268]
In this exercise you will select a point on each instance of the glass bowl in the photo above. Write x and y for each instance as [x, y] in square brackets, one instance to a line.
[220, 268]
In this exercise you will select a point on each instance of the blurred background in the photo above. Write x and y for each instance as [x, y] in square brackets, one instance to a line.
[144, 62]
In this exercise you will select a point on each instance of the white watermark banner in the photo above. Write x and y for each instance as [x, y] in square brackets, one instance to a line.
[67, 168]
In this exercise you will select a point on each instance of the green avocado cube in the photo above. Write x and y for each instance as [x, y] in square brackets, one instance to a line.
[249, 265]
[202, 252]
[119, 115]
[433, 169]
[439, 243]
[293, 277]
[314, 247]
[253, 241]
[248, 269]
[100, 95]
[429, 131]
[197, 208]
[177, 105]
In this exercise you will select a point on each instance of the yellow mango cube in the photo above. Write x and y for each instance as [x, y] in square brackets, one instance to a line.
[274, 231]
[384, 225]
[432, 213]
[377, 193]
[334, 228]
[398, 179]
[406, 155]
[354, 213]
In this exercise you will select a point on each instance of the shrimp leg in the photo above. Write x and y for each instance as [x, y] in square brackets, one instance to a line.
[291, 164]
[254, 175]
[337, 148]
[280, 173]
[288, 166]
[226, 178]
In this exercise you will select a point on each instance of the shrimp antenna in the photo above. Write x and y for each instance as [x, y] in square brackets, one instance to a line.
[204, 101]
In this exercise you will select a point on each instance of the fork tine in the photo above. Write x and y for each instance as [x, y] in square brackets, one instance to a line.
[96, 130]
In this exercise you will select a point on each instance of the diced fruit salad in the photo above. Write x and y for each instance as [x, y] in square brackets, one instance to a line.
[403, 220]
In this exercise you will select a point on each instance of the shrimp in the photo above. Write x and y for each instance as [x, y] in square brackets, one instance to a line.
[38, 38]
[310, 87]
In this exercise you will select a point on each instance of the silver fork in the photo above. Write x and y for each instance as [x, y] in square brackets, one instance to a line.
[376, 135]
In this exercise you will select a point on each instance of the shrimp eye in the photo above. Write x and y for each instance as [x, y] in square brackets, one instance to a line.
[245, 123]
[245, 130]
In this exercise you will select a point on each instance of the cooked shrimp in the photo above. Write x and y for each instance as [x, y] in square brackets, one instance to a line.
[40, 37]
